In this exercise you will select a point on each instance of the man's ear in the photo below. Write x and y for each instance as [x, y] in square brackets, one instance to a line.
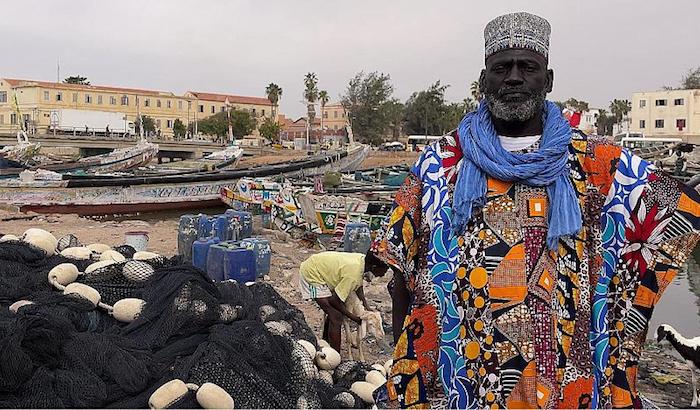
[550, 80]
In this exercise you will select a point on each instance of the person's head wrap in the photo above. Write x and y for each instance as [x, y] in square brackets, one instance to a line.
[517, 30]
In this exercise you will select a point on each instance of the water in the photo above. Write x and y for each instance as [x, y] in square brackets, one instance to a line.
[679, 305]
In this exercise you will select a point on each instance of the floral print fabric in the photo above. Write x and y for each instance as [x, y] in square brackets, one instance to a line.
[499, 320]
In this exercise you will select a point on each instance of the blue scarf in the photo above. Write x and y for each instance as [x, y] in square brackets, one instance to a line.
[546, 167]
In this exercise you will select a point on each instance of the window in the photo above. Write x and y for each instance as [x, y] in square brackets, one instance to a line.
[263, 112]
[75, 97]
[680, 123]
[660, 103]
[46, 95]
[325, 114]
[659, 124]
[3, 96]
[158, 103]
[179, 105]
[201, 107]
[678, 101]
[158, 123]
[335, 114]
[88, 99]
[147, 103]
[125, 100]
[170, 123]
[642, 103]
[213, 109]
[59, 96]
[169, 106]
[99, 99]
[113, 100]
[642, 123]
[223, 109]
[253, 111]
[13, 119]
[2, 119]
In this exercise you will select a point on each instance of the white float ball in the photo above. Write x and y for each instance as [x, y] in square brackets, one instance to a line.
[42, 239]
[84, 291]
[167, 394]
[63, 274]
[327, 358]
[211, 396]
[77, 252]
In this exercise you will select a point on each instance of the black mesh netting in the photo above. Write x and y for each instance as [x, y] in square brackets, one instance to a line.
[61, 352]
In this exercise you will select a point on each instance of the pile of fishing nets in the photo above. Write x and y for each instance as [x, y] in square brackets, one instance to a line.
[95, 326]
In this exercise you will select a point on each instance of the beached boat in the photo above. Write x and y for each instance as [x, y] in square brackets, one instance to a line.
[95, 195]
[227, 158]
[23, 151]
[299, 211]
[118, 160]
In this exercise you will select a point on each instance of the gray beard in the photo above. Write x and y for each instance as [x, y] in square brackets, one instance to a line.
[522, 111]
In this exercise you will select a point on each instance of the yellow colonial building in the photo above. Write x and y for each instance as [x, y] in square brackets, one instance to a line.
[334, 117]
[41, 103]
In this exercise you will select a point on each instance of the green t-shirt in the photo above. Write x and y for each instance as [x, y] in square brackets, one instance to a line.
[340, 271]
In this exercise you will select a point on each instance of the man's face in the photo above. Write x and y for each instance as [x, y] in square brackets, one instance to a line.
[515, 83]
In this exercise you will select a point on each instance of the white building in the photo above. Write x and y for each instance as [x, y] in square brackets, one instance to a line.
[672, 113]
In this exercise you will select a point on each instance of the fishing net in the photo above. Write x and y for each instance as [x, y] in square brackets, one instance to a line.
[60, 351]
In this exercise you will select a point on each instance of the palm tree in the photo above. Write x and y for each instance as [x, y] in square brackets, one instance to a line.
[620, 109]
[323, 98]
[476, 91]
[274, 93]
[310, 95]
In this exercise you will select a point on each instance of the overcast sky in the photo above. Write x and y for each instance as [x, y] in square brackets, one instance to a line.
[600, 49]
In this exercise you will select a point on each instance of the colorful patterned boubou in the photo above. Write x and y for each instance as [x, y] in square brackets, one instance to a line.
[499, 320]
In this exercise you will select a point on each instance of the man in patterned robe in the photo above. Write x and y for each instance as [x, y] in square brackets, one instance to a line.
[495, 316]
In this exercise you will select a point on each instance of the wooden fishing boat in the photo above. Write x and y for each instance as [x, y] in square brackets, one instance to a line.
[299, 211]
[95, 195]
[23, 151]
[118, 160]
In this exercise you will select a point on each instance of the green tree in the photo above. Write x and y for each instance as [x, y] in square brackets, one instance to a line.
[604, 123]
[393, 112]
[475, 89]
[620, 109]
[149, 124]
[576, 105]
[242, 122]
[428, 113]
[216, 125]
[274, 94]
[311, 94]
[270, 129]
[76, 79]
[364, 101]
[178, 128]
[691, 81]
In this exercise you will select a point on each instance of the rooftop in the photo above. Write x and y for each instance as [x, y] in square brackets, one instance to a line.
[47, 84]
[235, 99]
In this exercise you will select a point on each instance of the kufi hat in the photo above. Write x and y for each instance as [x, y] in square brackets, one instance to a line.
[517, 30]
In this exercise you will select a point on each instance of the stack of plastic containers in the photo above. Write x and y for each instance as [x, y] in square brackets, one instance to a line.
[239, 265]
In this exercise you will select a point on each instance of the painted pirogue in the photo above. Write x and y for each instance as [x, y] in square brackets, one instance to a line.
[116, 195]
